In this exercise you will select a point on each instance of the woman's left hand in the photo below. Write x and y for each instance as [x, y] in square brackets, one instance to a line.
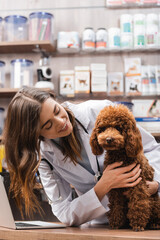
[152, 187]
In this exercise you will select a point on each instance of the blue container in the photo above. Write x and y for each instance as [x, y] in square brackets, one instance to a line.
[41, 26]
[2, 74]
[15, 28]
[127, 104]
[21, 73]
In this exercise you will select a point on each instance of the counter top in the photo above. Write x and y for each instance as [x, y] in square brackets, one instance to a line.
[79, 233]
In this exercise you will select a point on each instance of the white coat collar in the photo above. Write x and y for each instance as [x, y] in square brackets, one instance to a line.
[79, 113]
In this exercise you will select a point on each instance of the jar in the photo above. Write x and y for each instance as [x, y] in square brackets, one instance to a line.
[41, 26]
[1, 120]
[2, 74]
[151, 30]
[21, 73]
[114, 38]
[139, 23]
[68, 42]
[126, 40]
[101, 39]
[15, 28]
[126, 23]
[88, 40]
[1, 29]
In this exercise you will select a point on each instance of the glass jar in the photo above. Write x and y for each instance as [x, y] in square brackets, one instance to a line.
[41, 26]
[15, 28]
[21, 73]
[2, 74]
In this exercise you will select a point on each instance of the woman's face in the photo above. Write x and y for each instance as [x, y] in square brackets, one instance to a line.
[54, 120]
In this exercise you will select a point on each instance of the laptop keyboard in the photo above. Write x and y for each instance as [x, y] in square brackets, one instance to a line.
[20, 224]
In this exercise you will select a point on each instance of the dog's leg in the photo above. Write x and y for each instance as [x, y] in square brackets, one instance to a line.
[118, 211]
[139, 207]
[154, 222]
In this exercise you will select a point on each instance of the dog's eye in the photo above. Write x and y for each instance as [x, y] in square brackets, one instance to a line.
[118, 128]
[101, 129]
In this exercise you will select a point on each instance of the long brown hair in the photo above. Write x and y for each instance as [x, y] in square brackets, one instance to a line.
[22, 145]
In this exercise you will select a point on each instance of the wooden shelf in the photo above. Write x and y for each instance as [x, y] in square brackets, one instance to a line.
[10, 92]
[26, 47]
[85, 96]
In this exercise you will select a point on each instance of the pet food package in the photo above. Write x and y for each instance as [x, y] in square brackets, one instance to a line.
[115, 83]
[158, 79]
[82, 79]
[98, 78]
[145, 80]
[152, 80]
[68, 42]
[66, 85]
[132, 68]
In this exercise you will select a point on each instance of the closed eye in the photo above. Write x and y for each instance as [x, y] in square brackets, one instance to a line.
[101, 129]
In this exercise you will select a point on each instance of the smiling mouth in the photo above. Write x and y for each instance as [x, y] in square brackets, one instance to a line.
[64, 127]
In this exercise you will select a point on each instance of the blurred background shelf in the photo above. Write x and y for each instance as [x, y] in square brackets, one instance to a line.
[26, 47]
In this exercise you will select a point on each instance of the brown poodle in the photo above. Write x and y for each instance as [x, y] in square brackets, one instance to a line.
[116, 131]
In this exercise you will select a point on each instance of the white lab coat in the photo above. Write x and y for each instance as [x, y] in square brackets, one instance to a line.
[56, 182]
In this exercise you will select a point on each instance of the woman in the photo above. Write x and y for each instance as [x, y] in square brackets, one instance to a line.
[40, 134]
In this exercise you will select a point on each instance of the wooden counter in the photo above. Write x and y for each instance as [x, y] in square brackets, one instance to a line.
[81, 233]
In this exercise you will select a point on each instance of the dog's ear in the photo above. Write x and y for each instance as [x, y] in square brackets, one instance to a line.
[96, 148]
[133, 142]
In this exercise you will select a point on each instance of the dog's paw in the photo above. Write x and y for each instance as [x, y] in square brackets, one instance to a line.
[137, 228]
[154, 226]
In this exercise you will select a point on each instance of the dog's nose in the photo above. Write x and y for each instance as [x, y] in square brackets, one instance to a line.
[109, 139]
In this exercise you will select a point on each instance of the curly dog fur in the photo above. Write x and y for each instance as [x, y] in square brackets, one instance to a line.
[115, 132]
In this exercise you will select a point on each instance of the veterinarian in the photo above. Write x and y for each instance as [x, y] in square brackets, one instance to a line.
[40, 134]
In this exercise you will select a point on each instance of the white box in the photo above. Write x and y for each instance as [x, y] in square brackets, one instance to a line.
[67, 83]
[82, 79]
[132, 67]
[99, 81]
[133, 85]
[115, 83]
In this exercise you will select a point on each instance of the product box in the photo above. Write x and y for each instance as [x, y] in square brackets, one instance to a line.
[158, 79]
[133, 85]
[115, 83]
[132, 67]
[68, 42]
[99, 81]
[82, 79]
[146, 108]
[145, 80]
[66, 85]
[152, 80]
[115, 3]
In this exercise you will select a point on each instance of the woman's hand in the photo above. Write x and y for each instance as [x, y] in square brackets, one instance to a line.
[115, 176]
[152, 187]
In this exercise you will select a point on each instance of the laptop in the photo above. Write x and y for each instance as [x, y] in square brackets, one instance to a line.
[7, 220]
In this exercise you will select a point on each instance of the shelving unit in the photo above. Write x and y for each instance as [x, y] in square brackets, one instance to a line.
[26, 47]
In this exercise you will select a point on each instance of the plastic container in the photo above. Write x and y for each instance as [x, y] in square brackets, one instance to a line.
[2, 74]
[41, 26]
[1, 120]
[114, 38]
[1, 29]
[21, 73]
[139, 23]
[126, 23]
[15, 28]
[68, 42]
[127, 104]
[152, 30]
[101, 39]
[88, 40]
